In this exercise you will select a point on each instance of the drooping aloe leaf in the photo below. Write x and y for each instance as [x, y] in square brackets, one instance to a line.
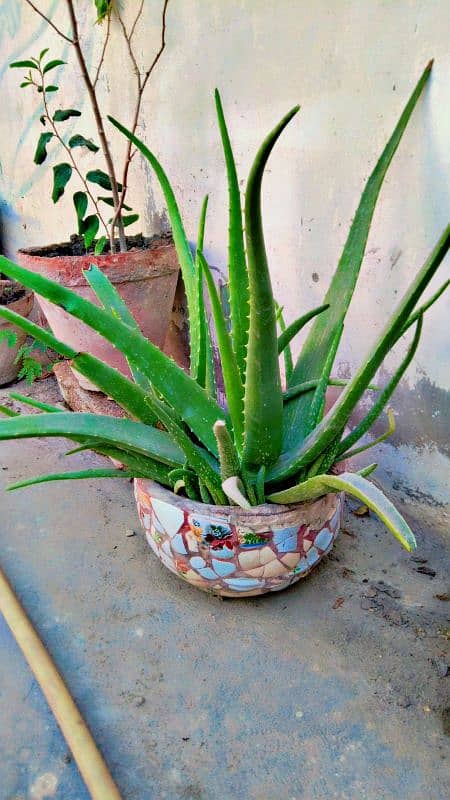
[140, 466]
[117, 432]
[388, 432]
[237, 267]
[87, 474]
[231, 377]
[180, 240]
[356, 486]
[334, 422]
[190, 401]
[263, 395]
[295, 327]
[339, 295]
[109, 380]
[381, 401]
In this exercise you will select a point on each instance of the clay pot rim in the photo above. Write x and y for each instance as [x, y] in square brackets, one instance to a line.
[42, 251]
[234, 513]
[24, 301]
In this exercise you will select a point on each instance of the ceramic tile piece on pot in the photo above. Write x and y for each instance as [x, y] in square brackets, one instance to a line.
[239, 553]
[323, 539]
[170, 517]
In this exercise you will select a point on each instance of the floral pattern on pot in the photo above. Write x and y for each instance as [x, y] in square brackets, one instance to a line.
[232, 552]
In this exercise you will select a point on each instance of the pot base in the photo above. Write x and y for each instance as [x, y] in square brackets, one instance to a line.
[232, 553]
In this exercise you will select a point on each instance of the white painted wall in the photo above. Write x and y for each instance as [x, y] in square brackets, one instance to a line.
[351, 64]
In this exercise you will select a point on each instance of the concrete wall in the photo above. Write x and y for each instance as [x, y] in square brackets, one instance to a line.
[351, 65]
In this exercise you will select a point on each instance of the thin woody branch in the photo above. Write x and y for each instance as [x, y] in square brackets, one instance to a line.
[100, 129]
[141, 84]
[103, 53]
[49, 22]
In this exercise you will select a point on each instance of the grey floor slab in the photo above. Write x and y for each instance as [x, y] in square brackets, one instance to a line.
[332, 689]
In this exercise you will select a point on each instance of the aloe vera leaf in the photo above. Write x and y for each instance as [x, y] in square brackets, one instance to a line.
[140, 466]
[388, 432]
[308, 386]
[285, 349]
[120, 433]
[318, 400]
[205, 373]
[111, 300]
[334, 422]
[195, 456]
[259, 485]
[89, 474]
[384, 396]
[228, 457]
[237, 267]
[188, 399]
[30, 401]
[231, 377]
[295, 327]
[315, 349]
[109, 380]
[8, 412]
[180, 240]
[357, 486]
[420, 311]
[365, 471]
[263, 402]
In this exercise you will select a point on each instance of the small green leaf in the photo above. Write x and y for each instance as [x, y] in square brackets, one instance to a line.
[90, 229]
[23, 65]
[103, 9]
[9, 336]
[80, 202]
[110, 202]
[25, 83]
[61, 176]
[42, 119]
[43, 52]
[101, 178]
[41, 149]
[129, 219]
[100, 245]
[48, 89]
[61, 114]
[52, 64]
[80, 141]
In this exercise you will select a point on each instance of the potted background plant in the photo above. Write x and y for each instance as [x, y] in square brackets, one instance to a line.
[242, 499]
[144, 269]
[12, 339]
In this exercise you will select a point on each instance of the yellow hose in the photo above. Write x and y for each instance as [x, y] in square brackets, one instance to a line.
[88, 758]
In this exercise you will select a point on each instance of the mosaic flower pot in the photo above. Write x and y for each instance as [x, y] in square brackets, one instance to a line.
[235, 553]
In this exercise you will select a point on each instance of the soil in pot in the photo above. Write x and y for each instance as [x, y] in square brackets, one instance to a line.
[145, 276]
[232, 552]
[18, 299]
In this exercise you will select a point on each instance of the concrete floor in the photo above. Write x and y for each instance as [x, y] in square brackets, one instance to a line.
[332, 689]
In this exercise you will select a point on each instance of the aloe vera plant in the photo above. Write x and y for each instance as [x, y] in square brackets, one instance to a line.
[267, 444]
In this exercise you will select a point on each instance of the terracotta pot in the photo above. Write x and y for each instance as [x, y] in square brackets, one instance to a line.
[23, 306]
[146, 279]
[235, 553]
